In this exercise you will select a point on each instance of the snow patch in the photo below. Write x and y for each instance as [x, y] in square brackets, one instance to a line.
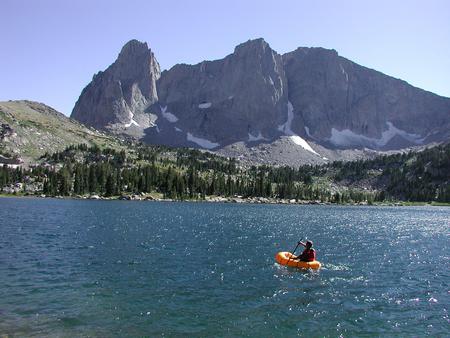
[178, 129]
[344, 72]
[167, 115]
[307, 131]
[302, 143]
[252, 138]
[287, 129]
[204, 143]
[230, 97]
[347, 137]
[205, 105]
[128, 125]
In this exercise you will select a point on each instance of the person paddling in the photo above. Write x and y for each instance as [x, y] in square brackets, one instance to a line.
[309, 254]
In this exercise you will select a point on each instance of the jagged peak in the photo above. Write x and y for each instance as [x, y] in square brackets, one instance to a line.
[134, 47]
[134, 59]
[251, 44]
[314, 50]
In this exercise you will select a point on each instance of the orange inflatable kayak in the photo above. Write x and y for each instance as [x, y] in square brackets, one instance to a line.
[288, 259]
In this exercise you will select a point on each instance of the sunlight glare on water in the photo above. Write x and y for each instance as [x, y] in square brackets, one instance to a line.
[100, 268]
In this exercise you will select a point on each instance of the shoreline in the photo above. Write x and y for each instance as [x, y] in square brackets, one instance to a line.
[219, 199]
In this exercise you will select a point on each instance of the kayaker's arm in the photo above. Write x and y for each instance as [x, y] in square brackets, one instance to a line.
[301, 243]
[300, 257]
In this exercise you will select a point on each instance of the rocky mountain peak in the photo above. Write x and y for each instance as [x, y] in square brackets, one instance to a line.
[251, 45]
[255, 95]
[346, 105]
[134, 61]
[314, 50]
[235, 92]
[257, 52]
[117, 97]
[133, 47]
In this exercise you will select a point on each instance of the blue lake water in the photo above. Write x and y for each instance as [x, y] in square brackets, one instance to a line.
[116, 268]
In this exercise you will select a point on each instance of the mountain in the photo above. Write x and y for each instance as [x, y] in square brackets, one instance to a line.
[30, 129]
[118, 97]
[241, 97]
[348, 105]
[307, 106]
[63, 157]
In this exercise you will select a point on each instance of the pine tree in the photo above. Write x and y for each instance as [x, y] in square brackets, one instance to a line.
[111, 185]
[65, 182]
[92, 179]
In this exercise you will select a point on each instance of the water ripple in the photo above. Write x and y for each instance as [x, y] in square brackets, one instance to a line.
[95, 268]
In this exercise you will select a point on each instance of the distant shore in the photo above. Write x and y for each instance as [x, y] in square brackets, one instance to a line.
[219, 199]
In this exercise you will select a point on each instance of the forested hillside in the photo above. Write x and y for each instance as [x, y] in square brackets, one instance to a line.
[191, 174]
[414, 176]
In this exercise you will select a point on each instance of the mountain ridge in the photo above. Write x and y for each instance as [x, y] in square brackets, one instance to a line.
[29, 129]
[312, 96]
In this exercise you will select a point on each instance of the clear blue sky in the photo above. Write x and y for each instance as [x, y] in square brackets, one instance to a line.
[50, 49]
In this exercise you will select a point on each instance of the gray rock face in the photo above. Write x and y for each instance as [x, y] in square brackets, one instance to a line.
[240, 97]
[338, 101]
[310, 96]
[117, 97]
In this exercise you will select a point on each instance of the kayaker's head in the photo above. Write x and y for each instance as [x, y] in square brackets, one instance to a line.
[309, 244]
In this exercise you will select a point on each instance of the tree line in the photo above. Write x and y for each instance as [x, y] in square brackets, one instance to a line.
[194, 174]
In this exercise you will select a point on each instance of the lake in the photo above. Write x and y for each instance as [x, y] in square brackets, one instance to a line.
[118, 268]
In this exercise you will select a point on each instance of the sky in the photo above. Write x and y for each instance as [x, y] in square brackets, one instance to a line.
[50, 49]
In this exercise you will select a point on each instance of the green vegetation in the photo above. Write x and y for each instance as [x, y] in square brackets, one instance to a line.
[414, 176]
[28, 129]
[191, 174]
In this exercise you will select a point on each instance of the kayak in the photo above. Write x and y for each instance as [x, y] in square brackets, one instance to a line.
[288, 259]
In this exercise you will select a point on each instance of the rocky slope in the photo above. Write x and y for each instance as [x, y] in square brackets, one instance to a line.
[30, 129]
[310, 103]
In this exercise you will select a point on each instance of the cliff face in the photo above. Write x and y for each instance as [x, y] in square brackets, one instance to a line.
[347, 105]
[310, 96]
[117, 97]
[241, 97]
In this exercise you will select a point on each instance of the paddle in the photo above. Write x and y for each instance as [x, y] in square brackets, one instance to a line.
[298, 243]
